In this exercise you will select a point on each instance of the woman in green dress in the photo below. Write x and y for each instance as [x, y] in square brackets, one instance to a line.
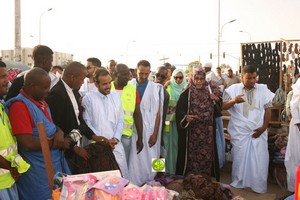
[170, 137]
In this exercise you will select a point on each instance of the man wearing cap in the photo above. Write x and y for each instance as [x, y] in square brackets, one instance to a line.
[210, 75]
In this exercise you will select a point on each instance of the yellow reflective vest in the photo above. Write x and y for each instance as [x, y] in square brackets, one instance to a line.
[9, 151]
[128, 99]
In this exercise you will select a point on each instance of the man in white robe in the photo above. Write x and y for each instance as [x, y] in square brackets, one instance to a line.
[104, 115]
[152, 96]
[292, 155]
[250, 105]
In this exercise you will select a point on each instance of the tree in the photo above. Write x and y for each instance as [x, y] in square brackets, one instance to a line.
[191, 66]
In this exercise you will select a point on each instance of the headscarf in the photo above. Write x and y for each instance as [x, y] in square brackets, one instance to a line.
[197, 71]
[175, 88]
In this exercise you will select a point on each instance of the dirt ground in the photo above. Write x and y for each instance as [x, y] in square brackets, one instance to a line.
[275, 192]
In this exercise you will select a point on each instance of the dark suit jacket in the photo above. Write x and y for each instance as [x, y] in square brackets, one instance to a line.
[62, 110]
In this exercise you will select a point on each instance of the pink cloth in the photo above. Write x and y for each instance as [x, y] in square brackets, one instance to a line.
[12, 73]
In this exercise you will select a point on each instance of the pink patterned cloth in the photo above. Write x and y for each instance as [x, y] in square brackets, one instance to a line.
[12, 73]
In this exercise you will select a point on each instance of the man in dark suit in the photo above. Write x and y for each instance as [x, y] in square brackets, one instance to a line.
[66, 110]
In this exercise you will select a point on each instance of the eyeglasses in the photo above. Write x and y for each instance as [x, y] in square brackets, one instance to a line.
[178, 77]
[199, 79]
[160, 75]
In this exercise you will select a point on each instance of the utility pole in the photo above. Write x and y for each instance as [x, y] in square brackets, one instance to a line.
[164, 59]
[17, 52]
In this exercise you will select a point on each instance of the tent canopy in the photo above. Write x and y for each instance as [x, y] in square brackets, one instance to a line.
[12, 64]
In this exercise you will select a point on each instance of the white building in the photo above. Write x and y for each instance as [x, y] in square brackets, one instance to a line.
[59, 58]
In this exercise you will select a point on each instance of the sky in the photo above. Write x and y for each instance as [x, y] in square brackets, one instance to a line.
[131, 30]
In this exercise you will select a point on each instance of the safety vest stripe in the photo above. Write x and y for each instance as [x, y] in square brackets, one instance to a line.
[12, 148]
[4, 171]
[128, 113]
[128, 126]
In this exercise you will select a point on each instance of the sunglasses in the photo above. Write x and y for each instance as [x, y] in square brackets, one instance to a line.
[160, 75]
[178, 77]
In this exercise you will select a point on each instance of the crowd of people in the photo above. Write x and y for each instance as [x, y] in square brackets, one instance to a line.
[177, 116]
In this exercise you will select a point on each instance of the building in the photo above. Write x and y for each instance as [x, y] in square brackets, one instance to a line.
[59, 58]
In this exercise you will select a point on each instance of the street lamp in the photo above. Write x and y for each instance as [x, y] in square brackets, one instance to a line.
[127, 50]
[246, 33]
[220, 35]
[40, 24]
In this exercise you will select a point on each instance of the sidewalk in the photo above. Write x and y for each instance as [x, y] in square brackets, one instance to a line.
[274, 192]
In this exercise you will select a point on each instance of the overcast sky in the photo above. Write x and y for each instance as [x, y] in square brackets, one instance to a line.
[131, 30]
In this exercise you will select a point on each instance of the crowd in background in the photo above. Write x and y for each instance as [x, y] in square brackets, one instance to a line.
[176, 116]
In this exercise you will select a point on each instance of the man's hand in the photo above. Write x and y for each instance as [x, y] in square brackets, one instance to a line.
[67, 143]
[239, 98]
[100, 139]
[258, 132]
[81, 152]
[139, 146]
[112, 143]
[14, 173]
[190, 118]
[58, 139]
[152, 140]
[213, 97]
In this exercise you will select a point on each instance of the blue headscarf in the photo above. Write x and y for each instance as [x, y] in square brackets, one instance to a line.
[175, 88]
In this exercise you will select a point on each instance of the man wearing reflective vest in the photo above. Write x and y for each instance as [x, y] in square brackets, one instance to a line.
[11, 163]
[131, 106]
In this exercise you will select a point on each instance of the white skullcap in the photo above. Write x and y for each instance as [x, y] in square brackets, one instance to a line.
[208, 65]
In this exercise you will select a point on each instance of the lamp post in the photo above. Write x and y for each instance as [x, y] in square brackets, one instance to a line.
[220, 34]
[127, 50]
[40, 24]
[246, 33]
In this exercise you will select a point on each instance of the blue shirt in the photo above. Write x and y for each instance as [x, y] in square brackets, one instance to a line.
[141, 88]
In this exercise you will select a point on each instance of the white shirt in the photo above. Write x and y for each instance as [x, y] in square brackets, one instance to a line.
[210, 76]
[53, 77]
[104, 114]
[86, 87]
[73, 100]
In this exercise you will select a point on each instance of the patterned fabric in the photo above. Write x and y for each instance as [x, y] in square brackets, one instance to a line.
[200, 143]
[200, 148]
[203, 187]
[197, 152]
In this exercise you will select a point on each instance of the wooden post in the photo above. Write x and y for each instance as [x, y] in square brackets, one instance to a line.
[46, 154]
